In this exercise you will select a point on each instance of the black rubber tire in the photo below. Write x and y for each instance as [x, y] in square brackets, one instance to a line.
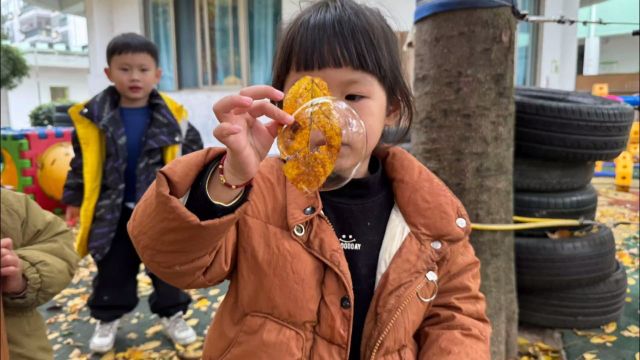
[585, 307]
[546, 176]
[62, 120]
[571, 126]
[548, 264]
[63, 108]
[574, 204]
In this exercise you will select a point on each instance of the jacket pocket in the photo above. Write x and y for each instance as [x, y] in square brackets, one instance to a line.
[264, 337]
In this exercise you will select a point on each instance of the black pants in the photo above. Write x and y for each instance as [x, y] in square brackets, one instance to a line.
[115, 287]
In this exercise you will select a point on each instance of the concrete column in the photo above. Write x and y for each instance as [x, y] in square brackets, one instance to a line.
[558, 47]
[592, 48]
[105, 19]
[5, 120]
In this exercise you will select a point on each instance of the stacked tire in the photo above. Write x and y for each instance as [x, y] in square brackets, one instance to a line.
[61, 117]
[573, 281]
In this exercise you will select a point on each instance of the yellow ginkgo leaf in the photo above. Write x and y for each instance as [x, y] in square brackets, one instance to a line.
[601, 339]
[590, 355]
[542, 346]
[108, 356]
[522, 341]
[202, 304]
[149, 345]
[631, 331]
[610, 327]
[153, 330]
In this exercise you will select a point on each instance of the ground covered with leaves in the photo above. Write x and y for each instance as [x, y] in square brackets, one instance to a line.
[140, 335]
[618, 340]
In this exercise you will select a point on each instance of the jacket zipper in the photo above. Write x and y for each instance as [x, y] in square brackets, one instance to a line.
[322, 215]
[394, 318]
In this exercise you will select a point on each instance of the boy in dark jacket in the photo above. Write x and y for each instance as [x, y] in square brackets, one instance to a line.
[123, 136]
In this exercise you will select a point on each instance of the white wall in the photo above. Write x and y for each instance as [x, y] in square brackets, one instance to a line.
[399, 13]
[35, 90]
[558, 51]
[619, 54]
[199, 103]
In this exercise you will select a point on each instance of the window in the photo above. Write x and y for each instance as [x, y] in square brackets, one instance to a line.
[59, 93]
[160, 30]
[230, 43]
[526, 45]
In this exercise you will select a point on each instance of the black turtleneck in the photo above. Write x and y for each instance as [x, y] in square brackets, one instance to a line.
[359, 212]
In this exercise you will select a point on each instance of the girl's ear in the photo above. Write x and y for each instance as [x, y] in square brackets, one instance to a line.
[392, 117]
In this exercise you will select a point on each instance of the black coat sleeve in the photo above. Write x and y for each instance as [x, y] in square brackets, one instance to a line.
[192, 140]
[74, 187]
[199, 203]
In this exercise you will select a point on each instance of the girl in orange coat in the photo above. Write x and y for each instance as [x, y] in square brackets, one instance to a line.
[380, 268]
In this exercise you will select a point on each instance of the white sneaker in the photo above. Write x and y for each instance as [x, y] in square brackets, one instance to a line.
[104, 336]
[178, 330]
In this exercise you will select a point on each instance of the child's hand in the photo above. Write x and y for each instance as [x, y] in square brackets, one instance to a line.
[11, 279]
[248, 140]
[71, 215]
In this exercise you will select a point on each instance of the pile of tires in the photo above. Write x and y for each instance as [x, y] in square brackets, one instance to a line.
[573, 281]
[61, 117]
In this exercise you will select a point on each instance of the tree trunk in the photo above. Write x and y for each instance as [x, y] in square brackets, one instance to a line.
[464, 132]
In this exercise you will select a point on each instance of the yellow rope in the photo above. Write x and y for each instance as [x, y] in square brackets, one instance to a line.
[531, 223]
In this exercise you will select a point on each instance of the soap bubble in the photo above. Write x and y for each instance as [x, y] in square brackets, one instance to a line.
[327, 143]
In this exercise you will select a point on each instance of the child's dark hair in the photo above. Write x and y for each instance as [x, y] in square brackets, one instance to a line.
[131, 43]
[342, 33]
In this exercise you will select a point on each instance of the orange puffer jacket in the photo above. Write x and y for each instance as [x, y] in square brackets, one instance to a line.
[289, 276]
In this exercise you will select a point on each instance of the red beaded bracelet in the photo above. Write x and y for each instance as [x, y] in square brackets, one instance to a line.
[224, 181]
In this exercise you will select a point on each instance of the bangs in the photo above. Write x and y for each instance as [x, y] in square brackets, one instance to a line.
[337, 36]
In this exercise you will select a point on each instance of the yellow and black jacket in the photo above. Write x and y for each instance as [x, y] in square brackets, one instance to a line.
[96, 180]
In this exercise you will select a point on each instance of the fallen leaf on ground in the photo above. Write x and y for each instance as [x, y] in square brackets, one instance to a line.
[610, 327]
[153, 330]
[149, 345]
[631, 331]
[202, 304]
[602, 339]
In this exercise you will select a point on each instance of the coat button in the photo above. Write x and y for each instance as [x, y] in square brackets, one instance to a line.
[310, 210]
[298, 230]
[345, 303]
[436, 245]
[462, 223]
[85, 110]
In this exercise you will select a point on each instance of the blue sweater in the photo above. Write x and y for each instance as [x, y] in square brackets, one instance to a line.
[135, 121]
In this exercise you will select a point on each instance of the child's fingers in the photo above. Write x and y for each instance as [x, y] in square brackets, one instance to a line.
[9, 259]
[9, 271]
[228, 103]
[224, 130]
[272, 127]
[259, 92]
[6, 243]
[264, 108]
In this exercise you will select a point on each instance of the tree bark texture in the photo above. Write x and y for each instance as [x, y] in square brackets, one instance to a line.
[464, 132]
